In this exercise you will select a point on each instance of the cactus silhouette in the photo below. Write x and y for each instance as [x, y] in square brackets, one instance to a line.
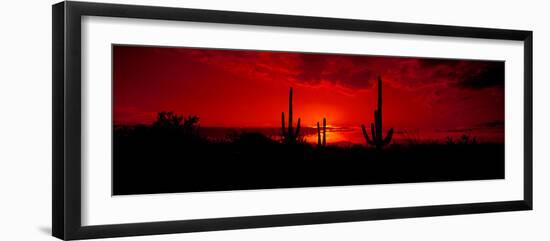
[376, 128]
[324, 143]
[290, 136]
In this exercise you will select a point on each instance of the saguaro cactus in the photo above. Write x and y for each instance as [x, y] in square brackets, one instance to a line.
[289, 135]
[376, 128]
[324, 143]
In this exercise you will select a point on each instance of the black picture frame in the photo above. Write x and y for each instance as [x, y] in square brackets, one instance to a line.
[66, 168]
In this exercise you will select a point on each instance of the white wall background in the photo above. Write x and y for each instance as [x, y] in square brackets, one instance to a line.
[25, 121]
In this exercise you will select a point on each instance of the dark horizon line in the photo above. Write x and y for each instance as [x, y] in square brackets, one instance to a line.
[358, 126]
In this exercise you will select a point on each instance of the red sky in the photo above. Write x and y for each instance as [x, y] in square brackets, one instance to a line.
[243, 88]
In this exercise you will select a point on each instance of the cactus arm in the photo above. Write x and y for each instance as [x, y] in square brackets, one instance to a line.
[388, 136]
[366, 135]
[297, 128]
[283, 124]
[324, 131]
[373, 132]
[318, 134]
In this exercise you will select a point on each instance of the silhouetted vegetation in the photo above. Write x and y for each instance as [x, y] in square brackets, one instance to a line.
[463, 140]
[376, 127]
[171, 155]
[324, 143]
[289, 136]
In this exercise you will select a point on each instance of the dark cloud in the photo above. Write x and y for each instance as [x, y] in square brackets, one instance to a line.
[312, 68]
[356, 72]
[492, 75]
[346, 71]
[468, 74]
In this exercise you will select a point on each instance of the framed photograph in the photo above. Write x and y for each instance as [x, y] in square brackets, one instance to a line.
[169, 120]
